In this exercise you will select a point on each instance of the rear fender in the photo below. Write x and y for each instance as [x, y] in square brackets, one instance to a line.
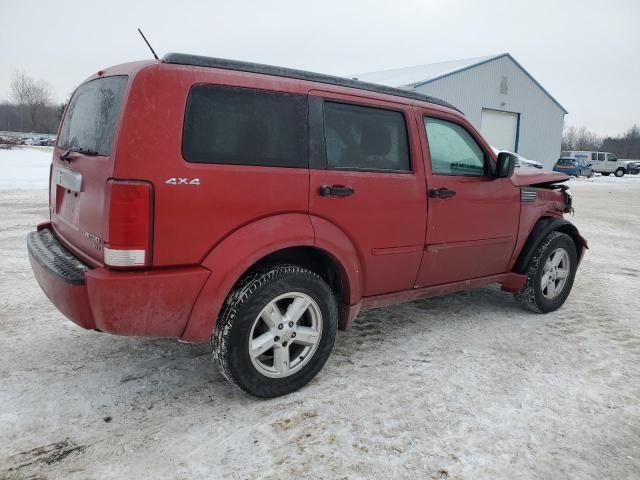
[235, 255]
[542, 228]
[232, 257]
[335, 241]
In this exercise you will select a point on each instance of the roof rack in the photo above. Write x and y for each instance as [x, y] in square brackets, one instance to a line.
[222, 63]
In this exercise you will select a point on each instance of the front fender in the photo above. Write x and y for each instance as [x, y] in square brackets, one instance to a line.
[234, 256]
[542, 228]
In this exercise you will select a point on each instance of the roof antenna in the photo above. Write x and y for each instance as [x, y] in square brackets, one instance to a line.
[148, 44]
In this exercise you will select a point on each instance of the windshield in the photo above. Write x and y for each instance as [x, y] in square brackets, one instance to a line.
[91, 117]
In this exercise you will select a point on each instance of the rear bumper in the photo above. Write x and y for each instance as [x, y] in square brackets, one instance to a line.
[143, 303]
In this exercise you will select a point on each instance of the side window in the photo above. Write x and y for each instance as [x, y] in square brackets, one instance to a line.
[611, 157]
[241, 126]
[365, 138]
[453, 150]
[594, 156]
[601, 157]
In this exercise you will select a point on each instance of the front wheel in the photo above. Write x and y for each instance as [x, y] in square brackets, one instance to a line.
[550, 274]
[276, 330]
[619, 172]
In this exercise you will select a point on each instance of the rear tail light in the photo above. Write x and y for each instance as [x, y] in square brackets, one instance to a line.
[128, 228]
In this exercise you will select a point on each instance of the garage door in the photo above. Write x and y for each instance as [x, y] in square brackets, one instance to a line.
[500, 129]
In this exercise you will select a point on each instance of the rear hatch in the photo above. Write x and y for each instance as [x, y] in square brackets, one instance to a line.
[83, 162]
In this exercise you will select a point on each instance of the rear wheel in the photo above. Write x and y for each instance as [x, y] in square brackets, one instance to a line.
[276, 330]
[550, 274]
[619, 172]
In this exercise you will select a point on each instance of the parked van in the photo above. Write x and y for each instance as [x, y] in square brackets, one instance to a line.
[605, 163]
[261, 208]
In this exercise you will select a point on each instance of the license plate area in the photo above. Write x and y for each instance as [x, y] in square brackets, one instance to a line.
[68, 179]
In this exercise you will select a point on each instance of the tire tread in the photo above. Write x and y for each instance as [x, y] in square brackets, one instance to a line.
[243, 291]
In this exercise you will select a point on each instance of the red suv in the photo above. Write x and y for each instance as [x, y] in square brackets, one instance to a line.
[261, 208]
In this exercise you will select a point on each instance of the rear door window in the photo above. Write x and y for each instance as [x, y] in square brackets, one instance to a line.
[601, 157]
[90, 121]
[241, 126]
[365, 138]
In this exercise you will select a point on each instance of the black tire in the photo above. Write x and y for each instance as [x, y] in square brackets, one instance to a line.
[531, 296]
[605, 174]
[619, 172]
[231, 337]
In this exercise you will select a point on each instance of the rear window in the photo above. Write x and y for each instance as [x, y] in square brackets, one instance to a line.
[92, 114]
[241, 126]
[565, 162]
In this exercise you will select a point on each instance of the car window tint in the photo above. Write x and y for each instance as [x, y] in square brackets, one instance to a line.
[611, 157]
[600, 157]
[594, 156]
[243, 126]
[365, 138]
[452, 149]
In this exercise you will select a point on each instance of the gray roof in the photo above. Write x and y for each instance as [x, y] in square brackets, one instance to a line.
[418, 75]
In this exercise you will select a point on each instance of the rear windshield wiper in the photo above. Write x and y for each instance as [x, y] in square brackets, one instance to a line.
[66, 156]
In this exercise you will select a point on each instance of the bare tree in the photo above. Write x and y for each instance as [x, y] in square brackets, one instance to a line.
[569, 138]
[626, 145]
[580, 139]
[33, 96]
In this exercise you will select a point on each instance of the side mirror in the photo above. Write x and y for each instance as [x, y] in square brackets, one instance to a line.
[506, 164]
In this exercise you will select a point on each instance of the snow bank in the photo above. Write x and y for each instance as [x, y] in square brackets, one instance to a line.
[25, 167]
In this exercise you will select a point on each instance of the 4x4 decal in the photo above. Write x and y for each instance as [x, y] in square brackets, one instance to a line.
[182, 181]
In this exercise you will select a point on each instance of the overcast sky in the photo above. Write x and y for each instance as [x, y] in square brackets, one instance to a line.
[585, 53]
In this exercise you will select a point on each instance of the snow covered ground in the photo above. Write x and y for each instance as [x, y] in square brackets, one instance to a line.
[25, 167]
[466, 386]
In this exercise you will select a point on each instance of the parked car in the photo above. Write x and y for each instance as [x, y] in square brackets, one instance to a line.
[574, 167]
[261, 208]
[520, 160]
[633, 167]
[605, 163]
[525, 162]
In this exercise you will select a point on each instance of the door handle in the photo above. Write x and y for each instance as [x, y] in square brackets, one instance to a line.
[441, 193]
[335, 191]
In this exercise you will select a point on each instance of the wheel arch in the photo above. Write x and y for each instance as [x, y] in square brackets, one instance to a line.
[237, 254]
[542, 228]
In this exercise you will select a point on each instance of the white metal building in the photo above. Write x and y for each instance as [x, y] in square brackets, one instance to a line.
[498, 96]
